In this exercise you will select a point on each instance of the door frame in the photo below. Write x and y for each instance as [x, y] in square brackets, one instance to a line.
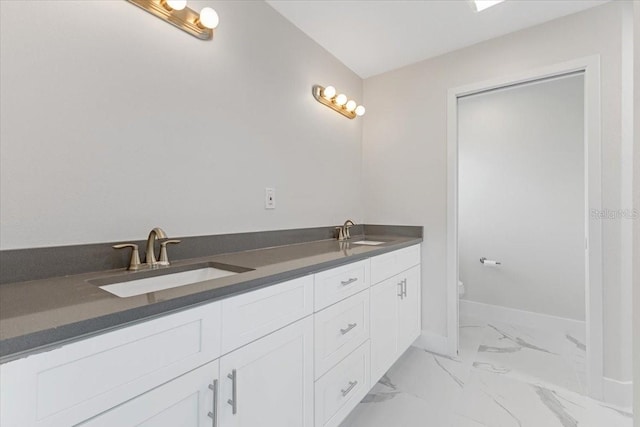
[593, 201]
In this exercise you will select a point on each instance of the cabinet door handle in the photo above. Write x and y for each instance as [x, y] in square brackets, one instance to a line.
[346, 391]
[404, 287]
[400, 292]
[348, 328]
[214, 411]
[233, 376]
[348, 282]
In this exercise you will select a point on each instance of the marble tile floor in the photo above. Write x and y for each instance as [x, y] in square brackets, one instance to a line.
[504, 376]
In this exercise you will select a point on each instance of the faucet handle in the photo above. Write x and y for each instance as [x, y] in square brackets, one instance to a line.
[134, 262]
[164, 256]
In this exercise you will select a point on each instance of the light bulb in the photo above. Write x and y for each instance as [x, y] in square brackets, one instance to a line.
[341, 99]
[329, 92]
[176, 4]
[351, 105]
[360, 110]
[209, 18]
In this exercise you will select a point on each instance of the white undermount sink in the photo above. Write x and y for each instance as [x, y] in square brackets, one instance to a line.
[165, 281]
[368, 242]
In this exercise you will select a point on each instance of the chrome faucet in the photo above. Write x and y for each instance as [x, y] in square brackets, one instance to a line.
[343, 233]
[150, 257]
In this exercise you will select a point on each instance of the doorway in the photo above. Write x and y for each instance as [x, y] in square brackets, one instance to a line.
[523, 200]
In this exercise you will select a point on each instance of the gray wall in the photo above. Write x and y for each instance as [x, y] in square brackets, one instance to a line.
[114, 121]
[405, 150]
[521, 196]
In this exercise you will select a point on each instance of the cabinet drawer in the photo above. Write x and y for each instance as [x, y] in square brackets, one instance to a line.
[339, 330]
[249, 316]
[186, 401]
[68, 385]
[392, 263]
[339, 283]
[342, 388]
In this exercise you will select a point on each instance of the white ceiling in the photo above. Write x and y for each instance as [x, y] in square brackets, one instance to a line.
[374, 36]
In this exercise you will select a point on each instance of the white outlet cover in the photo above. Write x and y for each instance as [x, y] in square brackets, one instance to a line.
[269, 198]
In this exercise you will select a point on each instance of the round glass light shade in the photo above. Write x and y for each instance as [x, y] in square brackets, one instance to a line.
[351, 105]
[177, 4]
[209, 18]
[329, 92]
[341, 99]
[360, 110]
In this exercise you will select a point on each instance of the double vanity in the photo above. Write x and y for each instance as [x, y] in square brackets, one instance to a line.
[275, 341]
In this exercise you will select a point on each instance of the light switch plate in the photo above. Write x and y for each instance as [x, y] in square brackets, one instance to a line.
[269, 198]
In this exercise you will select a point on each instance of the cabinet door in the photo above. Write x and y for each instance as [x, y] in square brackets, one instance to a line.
[384, 326]
[187, 401]
[269, 382]
[409, 309]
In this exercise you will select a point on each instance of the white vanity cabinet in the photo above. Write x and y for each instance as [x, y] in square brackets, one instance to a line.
[301, 353]
[395, 313]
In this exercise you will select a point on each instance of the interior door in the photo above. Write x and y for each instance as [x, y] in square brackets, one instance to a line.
[522, 196]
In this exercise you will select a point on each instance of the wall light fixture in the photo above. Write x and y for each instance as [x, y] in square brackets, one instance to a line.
[340, 103]
[176, 12]
[481, 5]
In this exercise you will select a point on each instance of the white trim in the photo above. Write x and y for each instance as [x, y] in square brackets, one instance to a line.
[593, 190]
[618, 393]
[432, 342]
[452, 222]
[495, 313]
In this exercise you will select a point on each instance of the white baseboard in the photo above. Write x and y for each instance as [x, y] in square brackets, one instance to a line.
[432, 342]
[618, 393]
[495, 313]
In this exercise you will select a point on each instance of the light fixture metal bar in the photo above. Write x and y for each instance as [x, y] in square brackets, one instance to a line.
[317, 94]
[184, 19]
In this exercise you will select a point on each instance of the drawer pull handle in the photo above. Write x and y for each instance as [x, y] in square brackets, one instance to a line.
[233, 376]
[346, 391]
[348, 282]
[404, 287]
[348, 328]
[212, 414]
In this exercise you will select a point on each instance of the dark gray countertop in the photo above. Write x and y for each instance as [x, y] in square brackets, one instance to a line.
[42, 314]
